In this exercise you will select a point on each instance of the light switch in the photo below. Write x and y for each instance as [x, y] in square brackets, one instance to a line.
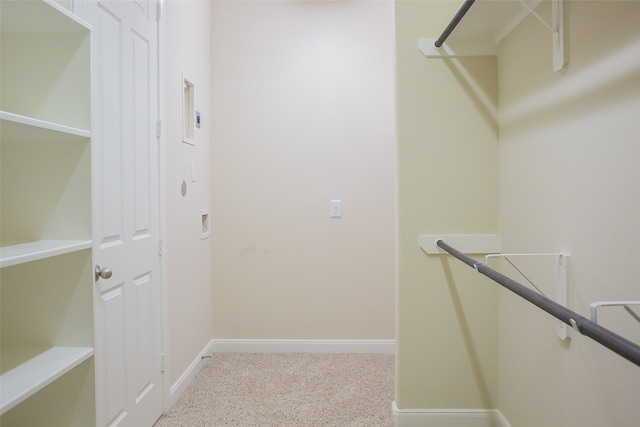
[336, 209]
[193, 171]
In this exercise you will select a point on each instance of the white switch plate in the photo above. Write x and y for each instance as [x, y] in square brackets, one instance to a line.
[193, 172]
[336, 209]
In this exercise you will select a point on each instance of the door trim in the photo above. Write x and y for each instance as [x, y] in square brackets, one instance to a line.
[162, 199]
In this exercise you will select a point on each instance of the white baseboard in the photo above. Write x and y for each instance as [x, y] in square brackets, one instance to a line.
[179, 387]
[304, 346]
[447, 417]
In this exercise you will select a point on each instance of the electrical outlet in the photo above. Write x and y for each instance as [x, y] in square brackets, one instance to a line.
[336, 209]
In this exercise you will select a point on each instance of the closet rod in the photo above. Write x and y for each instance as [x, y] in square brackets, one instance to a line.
[464, 8]
[611, 340]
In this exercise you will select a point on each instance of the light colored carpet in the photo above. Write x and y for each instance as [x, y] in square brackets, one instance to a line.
[288, 390]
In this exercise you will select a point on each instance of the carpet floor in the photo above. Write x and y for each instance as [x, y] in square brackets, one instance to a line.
[288, 390]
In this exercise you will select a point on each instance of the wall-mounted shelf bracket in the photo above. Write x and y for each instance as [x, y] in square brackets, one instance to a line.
[561, 281]
[557, 28]
[480, 45]
[467, 243]
[452, 49]
[625, 304]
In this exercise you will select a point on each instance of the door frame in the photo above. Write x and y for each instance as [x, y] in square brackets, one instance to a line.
[162, 199]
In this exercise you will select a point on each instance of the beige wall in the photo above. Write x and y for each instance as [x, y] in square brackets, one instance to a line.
[570, 181]
[188, 258]
[302, 113]
[448, 184]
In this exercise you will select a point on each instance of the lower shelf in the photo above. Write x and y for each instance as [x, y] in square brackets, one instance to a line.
[33, 251]
[42, 367]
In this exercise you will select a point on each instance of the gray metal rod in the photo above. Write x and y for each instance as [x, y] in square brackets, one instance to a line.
[607, 338]
[464, 8]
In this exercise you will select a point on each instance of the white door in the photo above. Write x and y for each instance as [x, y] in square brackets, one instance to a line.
[126, 211]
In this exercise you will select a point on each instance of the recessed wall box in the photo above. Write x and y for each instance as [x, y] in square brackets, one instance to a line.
[205, 220]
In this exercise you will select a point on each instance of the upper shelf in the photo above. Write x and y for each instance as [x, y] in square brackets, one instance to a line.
[492, 20]
[45, 16]
[487, 22]
[46, 63]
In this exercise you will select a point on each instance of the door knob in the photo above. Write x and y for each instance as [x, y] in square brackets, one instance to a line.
[103, 273]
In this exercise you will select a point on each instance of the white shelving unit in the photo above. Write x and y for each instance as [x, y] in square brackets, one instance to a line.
[45, 209]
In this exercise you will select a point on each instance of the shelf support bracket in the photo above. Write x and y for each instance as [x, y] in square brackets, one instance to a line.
[479, 47]
[537, 15]
[561, 281]
[558, 30]
[625, 304]
[452, 50]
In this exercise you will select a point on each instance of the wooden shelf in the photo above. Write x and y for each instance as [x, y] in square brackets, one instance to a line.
[14, 127]
[46, 294]
[492, 20]
[484, 26]
[487, 22]
[44, 16]
[45, 63]
[27, 378]
[33, 251]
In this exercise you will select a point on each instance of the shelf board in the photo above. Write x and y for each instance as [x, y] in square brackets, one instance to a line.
[36, 372]
[480, 30]
[14, 127]
[42, 16]
[33, 251]
[491, 20]
[487, 22]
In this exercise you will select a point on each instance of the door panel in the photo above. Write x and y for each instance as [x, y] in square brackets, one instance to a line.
[108, 195]
[113, 359]
[126, 212]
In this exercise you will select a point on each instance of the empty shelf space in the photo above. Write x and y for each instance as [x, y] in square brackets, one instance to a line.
[39, 16]
[36, 372]
[33, 251]
[15, 127]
